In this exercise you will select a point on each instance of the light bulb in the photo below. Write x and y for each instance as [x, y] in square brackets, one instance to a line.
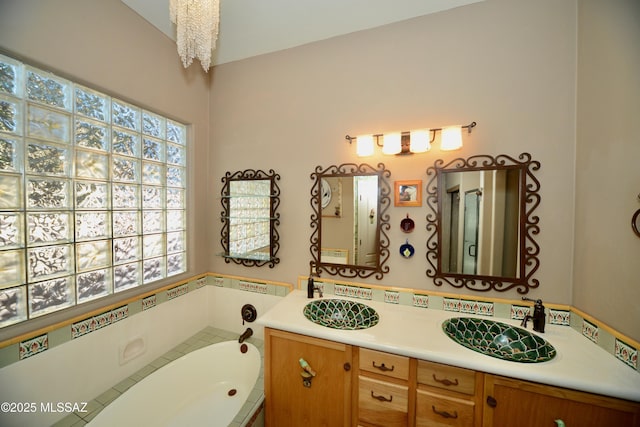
[451, 138]
[364, 145]
[420, 141]
[392, 143]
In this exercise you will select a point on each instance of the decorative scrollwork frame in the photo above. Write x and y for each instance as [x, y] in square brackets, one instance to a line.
[274, 216]
[529, 197]
[384, 201]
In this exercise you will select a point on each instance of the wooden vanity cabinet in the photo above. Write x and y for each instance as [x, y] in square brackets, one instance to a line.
[368, 388]
[448, 396]
[288, 402]
[510, 402]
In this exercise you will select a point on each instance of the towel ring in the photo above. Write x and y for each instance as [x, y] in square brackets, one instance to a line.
[635, 223]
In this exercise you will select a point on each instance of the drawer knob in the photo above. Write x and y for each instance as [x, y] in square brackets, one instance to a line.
[446, 381]
[445, 414]
[382, 367]
[381, 398]
[492, 402]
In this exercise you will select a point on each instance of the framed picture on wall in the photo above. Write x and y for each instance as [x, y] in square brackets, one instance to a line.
[408, 193]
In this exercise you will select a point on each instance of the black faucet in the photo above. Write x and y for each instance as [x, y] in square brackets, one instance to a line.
[538, 318]
[246, 334]
[311, 288]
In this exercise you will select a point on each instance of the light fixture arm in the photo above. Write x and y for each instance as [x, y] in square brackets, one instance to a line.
[469, 127]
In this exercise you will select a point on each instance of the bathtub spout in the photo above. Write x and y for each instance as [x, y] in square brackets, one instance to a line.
[246, 334]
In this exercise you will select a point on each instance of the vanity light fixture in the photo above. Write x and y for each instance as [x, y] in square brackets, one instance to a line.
[409, 142]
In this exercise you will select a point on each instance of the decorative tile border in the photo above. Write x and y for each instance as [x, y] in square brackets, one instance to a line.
[33, 346]
[590, 331]
[353, 291]
[626, 353]
[177, 291]
[149, 302]
[451, 304]
[392, 297]
[469, 306]
[518, 312]
[278, 289]
[119, 313]
[559, 317]
[201, 281]
[258, 288]
[420, 300]
[98, 321]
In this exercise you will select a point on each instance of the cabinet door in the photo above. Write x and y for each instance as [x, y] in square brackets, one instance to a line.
[510, 403]
[327, 402]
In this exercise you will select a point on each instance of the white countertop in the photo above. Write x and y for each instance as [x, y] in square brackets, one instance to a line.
[417, 332]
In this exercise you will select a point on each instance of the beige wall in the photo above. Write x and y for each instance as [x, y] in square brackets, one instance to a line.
[509, 65]
[607, 253]
[107, 46]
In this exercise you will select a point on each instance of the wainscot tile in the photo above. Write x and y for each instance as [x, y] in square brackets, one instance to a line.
[421, 300]
[590, 331]
[518, 312]
[33, 346]
[149, 302]
[626, 353]
[392, 297]
[559, 317]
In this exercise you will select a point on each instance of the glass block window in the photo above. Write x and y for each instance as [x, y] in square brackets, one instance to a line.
[92, 194]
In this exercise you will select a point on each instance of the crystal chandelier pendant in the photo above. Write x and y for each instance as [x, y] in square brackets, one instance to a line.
[197, 23]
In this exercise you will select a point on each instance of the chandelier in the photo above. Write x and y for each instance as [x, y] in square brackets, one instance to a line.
[197, 24]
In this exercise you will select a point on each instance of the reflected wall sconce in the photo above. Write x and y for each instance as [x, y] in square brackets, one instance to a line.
[410, 142]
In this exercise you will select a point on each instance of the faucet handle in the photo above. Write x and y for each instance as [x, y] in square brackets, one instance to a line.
[536, 301]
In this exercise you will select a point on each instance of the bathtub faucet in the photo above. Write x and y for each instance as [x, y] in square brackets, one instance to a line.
[246, 334]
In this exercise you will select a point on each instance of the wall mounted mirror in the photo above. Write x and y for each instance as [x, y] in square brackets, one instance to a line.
[349, 220]
[250, 201]
[482, 223]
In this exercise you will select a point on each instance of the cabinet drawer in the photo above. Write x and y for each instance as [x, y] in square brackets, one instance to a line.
[382, 403]
[387, 364]
[446, 377]
[433, 410]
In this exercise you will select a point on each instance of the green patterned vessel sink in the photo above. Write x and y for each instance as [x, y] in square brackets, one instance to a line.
[497, 339]
[341, 314]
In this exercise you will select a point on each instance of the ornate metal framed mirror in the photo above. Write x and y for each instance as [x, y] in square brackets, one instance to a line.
[483, 224]
[349, 220]
[250, 217]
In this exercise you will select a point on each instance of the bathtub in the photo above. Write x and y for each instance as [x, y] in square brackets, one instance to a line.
[205, 387]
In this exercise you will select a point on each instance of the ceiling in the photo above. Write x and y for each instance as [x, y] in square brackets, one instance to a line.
[254, 27]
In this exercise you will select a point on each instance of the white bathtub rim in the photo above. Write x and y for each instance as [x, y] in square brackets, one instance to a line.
[164, 408]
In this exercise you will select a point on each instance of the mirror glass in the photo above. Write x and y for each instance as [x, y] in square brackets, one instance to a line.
[349, 237]
[480, 220]
[249, 200]
[483, 226]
